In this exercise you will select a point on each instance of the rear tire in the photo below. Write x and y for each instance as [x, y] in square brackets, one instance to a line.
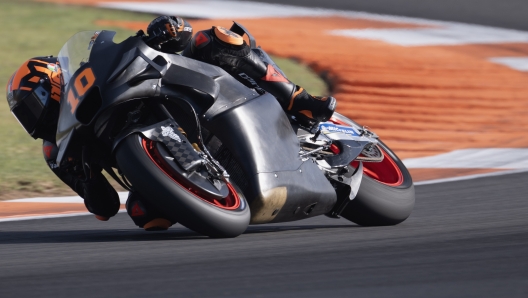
[175, 201]
[387, 200]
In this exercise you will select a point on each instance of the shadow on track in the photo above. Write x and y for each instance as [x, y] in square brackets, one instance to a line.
[123, 235]
[274, 229]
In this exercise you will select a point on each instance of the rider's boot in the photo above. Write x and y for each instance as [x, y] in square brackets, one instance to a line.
[308, 108]
[144, 215]
[100, 198]
[224, 48]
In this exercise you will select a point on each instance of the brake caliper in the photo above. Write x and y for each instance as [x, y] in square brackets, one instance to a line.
[170, 133]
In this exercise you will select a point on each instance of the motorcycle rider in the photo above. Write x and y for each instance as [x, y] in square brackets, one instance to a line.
[217, 46]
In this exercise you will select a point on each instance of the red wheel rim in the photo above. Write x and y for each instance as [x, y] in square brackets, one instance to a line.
[231, 202]
[386, 171]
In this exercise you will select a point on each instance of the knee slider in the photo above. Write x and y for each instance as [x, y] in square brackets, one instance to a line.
[144, 215]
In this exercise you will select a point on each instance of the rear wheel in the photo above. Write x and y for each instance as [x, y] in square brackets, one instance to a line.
[144, 165]
[386, 194]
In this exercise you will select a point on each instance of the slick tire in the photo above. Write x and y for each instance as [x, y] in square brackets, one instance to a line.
[387, 200]
[378, 204]
[176, 201]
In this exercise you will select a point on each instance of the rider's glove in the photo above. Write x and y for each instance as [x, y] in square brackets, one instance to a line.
[169, 34]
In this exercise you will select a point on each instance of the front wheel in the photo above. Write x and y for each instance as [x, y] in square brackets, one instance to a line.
[144, 166]
[386, 194]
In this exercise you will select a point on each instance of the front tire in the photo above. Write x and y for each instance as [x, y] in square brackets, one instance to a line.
[176, 201]
[386, 195]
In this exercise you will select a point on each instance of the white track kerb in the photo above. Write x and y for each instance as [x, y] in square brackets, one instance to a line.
[61, 215]
[424, 33]
[61, 200]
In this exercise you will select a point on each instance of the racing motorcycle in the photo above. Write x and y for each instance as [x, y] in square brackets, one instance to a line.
[211, 153]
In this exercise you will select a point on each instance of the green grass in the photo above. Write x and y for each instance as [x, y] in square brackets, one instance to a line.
[30, 29]
[302, 75]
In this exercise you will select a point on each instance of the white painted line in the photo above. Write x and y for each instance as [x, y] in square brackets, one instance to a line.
[459, 34]
[442, 33]
[217, 9]
[488, 158]
[69, 200]
[517, 63]
[59, 215]
[73, 200]
[470, 177]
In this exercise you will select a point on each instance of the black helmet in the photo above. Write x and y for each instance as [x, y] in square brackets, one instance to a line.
[33, 95]
[169, 34]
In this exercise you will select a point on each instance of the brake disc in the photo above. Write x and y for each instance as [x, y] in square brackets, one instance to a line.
[371, 154]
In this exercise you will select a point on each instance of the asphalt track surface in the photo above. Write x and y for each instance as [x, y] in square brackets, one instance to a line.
[464, 239]
[498, 13]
